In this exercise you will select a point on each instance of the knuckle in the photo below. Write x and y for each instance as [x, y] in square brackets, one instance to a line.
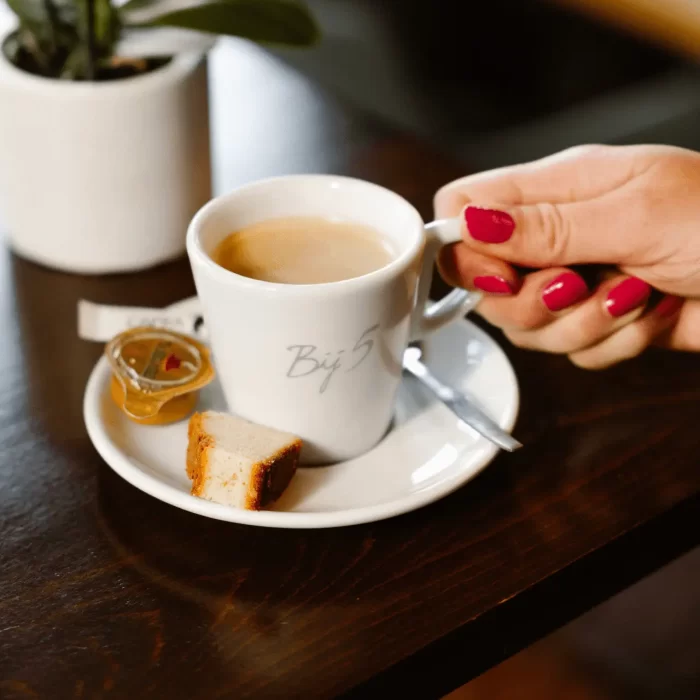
[626, 344]
[585, 150]
[571, 342]
[675, 164]
[526, 318]
[589, 361]
[583, 328]
[637, 338]
[521, 339]
[573, 338]
[487, 314]
[439, 200]
[444, 191]
[553, 229]
[646, 210]
[449, 199]
[512, 315]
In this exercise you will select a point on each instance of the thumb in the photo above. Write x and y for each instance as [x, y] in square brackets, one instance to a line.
[551, 234]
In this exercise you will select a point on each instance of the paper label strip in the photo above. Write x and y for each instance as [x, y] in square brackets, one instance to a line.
[101, 322]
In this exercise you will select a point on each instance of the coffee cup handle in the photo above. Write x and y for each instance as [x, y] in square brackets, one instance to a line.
[427, 316]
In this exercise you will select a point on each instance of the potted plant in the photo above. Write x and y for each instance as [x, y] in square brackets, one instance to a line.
[104, 157]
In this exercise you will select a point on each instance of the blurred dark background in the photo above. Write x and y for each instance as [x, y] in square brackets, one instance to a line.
[503, 81]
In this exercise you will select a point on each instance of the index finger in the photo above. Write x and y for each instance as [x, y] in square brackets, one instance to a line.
[573, 175]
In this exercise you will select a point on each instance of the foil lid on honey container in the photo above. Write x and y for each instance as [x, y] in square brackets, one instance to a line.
[157, 373]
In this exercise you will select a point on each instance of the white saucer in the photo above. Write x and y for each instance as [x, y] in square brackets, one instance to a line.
[426, 455]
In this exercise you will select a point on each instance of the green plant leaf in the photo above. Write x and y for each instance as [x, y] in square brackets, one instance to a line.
[74, 65]
[106, 24]
[286, 22]
[30, 12]
[137, 5]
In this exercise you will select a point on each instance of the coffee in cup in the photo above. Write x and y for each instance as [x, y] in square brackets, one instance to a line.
[303, 250]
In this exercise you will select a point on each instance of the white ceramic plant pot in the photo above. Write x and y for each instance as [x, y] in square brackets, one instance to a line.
[103, 177]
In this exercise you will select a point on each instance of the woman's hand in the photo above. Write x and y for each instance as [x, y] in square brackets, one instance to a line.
[633, 209]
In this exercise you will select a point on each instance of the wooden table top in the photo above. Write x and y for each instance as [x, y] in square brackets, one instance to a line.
[109, 593]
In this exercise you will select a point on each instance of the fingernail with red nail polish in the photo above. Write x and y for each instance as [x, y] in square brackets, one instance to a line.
[627, 296]
[564, 291]
[489, 225]
[491, 284]
[669, 306]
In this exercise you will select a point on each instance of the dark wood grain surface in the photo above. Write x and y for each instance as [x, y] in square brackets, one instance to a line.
[108, 593]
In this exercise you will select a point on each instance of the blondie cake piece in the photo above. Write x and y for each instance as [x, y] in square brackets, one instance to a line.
[238, 463]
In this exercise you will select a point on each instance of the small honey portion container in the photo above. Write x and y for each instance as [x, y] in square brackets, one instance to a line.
[157, 374]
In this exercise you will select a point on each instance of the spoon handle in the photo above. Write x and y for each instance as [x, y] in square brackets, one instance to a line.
[460, 405]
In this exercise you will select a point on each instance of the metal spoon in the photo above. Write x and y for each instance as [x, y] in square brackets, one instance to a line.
[461, 406]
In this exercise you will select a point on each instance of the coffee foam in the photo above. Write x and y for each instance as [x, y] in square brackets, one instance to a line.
[303, 250]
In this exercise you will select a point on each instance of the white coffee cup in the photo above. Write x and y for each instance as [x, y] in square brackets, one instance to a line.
[322, 361]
